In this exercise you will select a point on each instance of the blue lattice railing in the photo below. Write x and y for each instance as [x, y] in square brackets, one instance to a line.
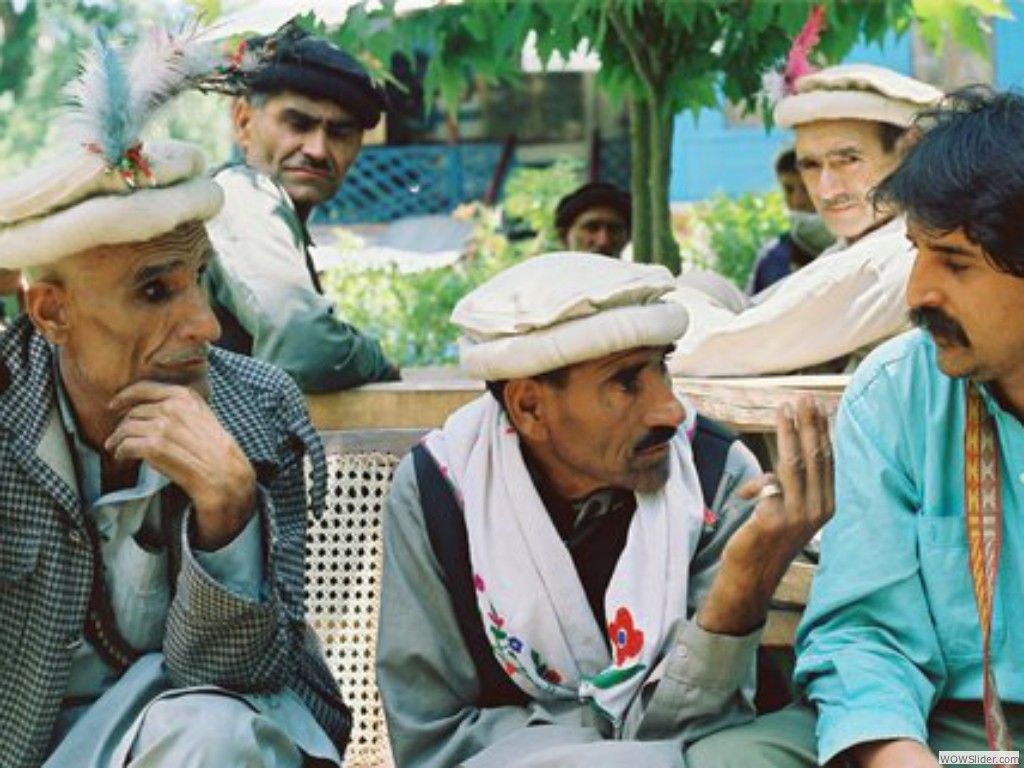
[389, 183]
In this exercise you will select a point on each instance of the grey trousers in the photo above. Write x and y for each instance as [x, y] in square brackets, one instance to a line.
[143, 722]
[785, 739]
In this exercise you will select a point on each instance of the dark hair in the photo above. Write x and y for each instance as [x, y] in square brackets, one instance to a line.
[967, 172]
[786, 162]
[557, 378]
[889, 135]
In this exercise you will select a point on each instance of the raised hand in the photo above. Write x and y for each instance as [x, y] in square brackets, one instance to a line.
[791, 507]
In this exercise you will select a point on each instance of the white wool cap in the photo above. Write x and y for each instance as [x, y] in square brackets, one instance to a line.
[856, 92]
[76, 202]
[563, 308]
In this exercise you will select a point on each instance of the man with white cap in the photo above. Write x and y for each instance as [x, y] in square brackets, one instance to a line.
[302, 107]
[152, 492]
[559, 588]
[852, 128]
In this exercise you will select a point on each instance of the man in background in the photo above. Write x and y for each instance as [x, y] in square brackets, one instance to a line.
[852, 125]
[595, 218]
[299, 122]
[807, 235]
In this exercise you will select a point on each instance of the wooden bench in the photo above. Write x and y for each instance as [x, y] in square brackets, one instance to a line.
[343, 578]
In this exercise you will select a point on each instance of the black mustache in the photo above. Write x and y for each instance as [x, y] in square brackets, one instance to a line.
[938, 323]
[655, 437]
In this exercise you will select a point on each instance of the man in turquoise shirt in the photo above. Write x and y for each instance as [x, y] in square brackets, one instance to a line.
[890, 651]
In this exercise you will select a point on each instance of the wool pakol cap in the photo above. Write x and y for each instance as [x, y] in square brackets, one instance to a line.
[856, 92]
[76, 202]
[563, 308]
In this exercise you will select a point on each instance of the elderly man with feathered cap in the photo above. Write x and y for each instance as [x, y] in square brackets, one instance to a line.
[573, 572]
[152, 493]
[853, 126]
[302, 108]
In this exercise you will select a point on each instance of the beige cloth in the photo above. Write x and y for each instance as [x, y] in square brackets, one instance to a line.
[850, 297]
[562, 308]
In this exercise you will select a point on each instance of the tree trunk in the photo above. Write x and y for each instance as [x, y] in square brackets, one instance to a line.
[659, 160]
[640, 162]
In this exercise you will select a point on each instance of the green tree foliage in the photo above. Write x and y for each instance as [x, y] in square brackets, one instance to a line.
[661, 56]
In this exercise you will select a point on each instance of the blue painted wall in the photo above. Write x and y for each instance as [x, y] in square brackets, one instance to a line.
[1009, 48]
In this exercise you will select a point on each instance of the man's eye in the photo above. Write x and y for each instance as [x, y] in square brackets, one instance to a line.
[155, 291]
[299, 124]
[627, 382]
[955, 268]
[341, 131]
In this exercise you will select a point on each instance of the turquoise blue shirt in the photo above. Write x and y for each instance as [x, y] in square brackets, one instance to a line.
[892, 626]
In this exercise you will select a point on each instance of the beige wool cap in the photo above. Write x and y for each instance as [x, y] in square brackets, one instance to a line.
[76, 202]
[856, 92]
[563, 308]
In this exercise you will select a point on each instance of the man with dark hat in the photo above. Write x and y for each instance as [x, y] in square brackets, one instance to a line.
[594, 219]
[153, 491]
[299, 120]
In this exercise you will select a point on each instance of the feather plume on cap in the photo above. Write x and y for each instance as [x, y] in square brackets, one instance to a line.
[779, 83]
[80, 198]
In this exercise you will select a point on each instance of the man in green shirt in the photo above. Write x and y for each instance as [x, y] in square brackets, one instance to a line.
[299, 122]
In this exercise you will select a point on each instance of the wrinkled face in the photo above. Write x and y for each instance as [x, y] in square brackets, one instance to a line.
[795, 193]
[610, 423]
[841, 162]
[971, 309]
[598, 230]
[307, 145]
[135, 312]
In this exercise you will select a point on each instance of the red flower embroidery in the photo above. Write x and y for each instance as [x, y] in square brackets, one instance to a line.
[478, 582]
[627, 640]
[709, 517]
[551, 676]
[496, 620]
[510, 668]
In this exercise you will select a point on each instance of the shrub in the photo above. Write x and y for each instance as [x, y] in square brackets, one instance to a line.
[409, 312]
[725, 233]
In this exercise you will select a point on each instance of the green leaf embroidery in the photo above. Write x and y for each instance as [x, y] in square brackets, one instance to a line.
[612, 677]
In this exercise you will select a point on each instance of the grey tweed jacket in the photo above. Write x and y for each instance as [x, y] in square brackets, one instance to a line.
[212, 636]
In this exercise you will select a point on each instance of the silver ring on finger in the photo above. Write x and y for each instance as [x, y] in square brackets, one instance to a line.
[768, 490]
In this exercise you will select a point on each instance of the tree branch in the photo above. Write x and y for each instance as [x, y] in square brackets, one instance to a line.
[634, 46]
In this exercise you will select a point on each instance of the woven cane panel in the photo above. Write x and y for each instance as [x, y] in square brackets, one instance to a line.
[342, 591]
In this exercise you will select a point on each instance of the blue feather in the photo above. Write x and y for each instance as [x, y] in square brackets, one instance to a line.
[117, 126]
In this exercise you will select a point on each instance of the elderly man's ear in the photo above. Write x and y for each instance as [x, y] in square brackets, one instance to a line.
[524, 402]
[46, 305]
